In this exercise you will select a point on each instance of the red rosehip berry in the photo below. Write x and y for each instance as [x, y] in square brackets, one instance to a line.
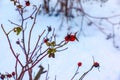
[79, 64]
[67, 38]
[9, 75]
[72, 37]
[13, 73]
[27, 3]
[2, 76]
[46, 40]
[96, 64]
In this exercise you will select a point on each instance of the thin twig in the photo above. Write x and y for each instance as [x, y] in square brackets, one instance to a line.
[11, 48]
[31, 13]
[37, 44]
[33, 25]
[14, 23]
[76, 72]
[81, 78]
[47, 77]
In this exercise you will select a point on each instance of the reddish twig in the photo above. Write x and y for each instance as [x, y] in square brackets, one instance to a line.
[11, 48]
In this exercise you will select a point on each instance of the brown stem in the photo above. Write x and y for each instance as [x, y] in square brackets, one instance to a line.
[33, 25]
[21, 74]
[36, 44]
[38, 60]
[11, 48]
[81, 78]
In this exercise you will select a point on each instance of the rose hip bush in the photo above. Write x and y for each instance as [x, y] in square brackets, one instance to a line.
[35, 55]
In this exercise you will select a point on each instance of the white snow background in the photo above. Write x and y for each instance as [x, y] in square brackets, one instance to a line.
[65, 63]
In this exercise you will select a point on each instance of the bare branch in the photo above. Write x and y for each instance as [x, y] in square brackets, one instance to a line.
[11, 48]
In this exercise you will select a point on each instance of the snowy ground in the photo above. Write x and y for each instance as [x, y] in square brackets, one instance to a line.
[65, 63]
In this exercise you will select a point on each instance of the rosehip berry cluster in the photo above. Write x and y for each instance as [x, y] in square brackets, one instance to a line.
[2, 76]
[71, 37]
[8, 75]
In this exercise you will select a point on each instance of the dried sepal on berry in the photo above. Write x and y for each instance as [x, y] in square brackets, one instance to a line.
[51, 55]
[51, 52]
[53, 43]
[96, 65]
[73, 37]
[19, 6]
[48, 43]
